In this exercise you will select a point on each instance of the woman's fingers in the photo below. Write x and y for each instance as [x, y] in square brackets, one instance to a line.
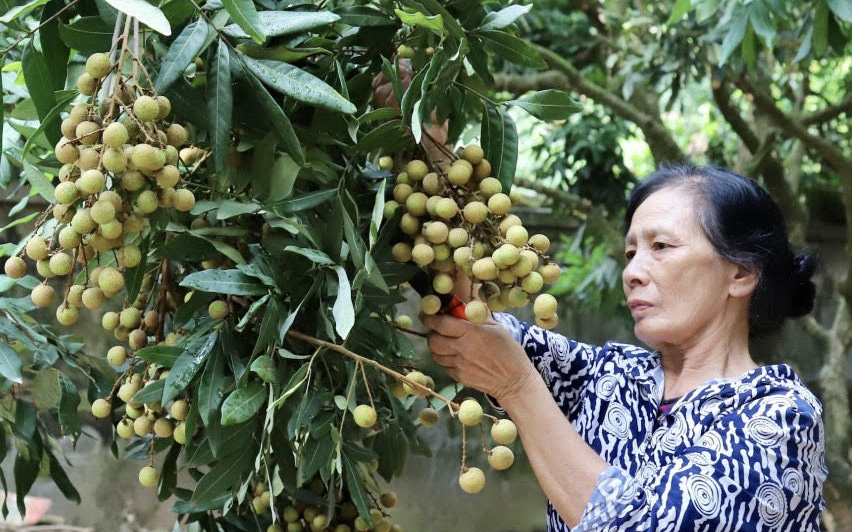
[445, 325]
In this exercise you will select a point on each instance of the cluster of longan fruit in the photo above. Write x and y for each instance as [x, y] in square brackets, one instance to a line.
[120, 164]
[459, 220]
[298, 516]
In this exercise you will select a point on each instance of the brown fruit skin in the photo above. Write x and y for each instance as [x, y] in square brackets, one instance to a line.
[15, 267]
[43, 295]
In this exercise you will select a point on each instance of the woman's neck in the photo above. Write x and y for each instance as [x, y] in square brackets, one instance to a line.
[714, 355]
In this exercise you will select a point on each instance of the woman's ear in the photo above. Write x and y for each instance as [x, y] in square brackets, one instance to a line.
[743, 280]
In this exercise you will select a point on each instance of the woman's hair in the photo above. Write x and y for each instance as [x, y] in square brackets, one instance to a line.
[747, 228]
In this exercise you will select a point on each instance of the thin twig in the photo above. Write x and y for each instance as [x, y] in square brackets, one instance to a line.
[464, 448]
[32, 31]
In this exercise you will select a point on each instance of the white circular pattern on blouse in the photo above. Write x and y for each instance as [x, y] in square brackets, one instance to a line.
[674, 436]
[560, 348]
[779, 402]
[648, 471]
[710, 406]
[617, 421]
[712, 440]
[705, 494]
[793, 480]
[772, 505]
[764, 431]
[605, 387]
[631, 489]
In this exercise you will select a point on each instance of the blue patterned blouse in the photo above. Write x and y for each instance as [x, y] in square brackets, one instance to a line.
[733, 455]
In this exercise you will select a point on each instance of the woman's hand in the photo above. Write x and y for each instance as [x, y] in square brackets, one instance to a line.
[484, 357]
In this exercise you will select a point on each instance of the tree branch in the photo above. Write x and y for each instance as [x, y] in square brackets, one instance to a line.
[829, 113]
[662, 144]
[572, 201]
[764, 162]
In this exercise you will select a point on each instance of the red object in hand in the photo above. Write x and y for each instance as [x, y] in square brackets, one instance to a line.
[450, 303]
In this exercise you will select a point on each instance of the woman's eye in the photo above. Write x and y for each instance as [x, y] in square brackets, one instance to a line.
[629, 254]
[660, 245]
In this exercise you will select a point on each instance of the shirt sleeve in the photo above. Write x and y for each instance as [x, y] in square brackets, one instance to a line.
[760, 469]
[565, 365]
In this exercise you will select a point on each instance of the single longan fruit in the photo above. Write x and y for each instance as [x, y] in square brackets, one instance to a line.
[97, 65]
[547, 322]
[111, 281]
[75, 295]
[506, 255]
[507, 222]
[475, 212]
[129, 256]
[82, 222]
[143, 425]
[443, 283]
[364, 416]
[116, 355]
[101, 408]
[544, 305]
[65, 151]
[490, 186]
[419, 378]
[484, 269]
[405, 52]
[401, 252]
[124, 428]
[457, 237]
[432, 183]
[184, 200]
[540, 242]
[459, 174]
[390, 209]
[430, 304]
[501, 458]
[66, 315]
[115, 135]
[517, 235]
[179, 433]
[147, 201]
[37, 248]
[446, 208]
[428, 417]
[43, 295]
[165, 107]
[404, 321]
[416, 169]
[114, 160]
[168, 176]
[218, 310]
[388, 499]
[415, 203]
[472, 481]
[69, 238]
[532, 283]
[436, 232]
[110, 321]
[15, 267]
[102, 212]
[93, 298]
[470, 412]
[87, 132]
[86, 84]
[147, 158]
[148, 476]
[423, 254]
[146, 108]
[43, 269]
[499, 204]
[504, 431]
[476, 312]
[521, 268]
[386, 162]
[401, 192]
[137, 339]
[176, 135]
[90, 182]
[179, 409]
[66, 193]
[164, 428]
[473, 154]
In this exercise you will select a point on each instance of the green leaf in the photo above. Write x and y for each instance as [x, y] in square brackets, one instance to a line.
[250, 313]
[314, 255]
[389, 136]
[60, 478]
[69, 399]
[221, 477]
[162, 355]
[312, 457]
[54, 50]
[26, 470]
[548, 104]
[299, 85]
[230, 208]
[224, 282]
[211, 387]
[841, 8]
[187, 365]
[152, 393]
[377, 214]
[245, 15]
[497, 20]
[146, 13]
[48, 120]
[10, 364]
[21, 10]
[281, 125]
[39, 83]
[820, 29]
[220, 105]
[182, 52]
[188, 102]
[39, 182]
[276, 184]
[392, 447]
[296, 380]
[302, 202]
[363, 16]
[434, 22]
[264, 367]
[735, 35]
[242, 404]
[680, 8]
[500, 143]
[87, 35]
[275, 23]
[355, 486]
[44, 388]
[513, 49]
[343, 309]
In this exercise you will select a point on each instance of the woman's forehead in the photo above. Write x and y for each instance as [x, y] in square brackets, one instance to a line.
[670, 210]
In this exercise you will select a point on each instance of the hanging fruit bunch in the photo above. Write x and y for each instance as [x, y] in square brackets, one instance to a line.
[458, 222]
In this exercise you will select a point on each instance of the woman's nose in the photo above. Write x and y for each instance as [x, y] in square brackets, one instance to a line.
[635, 273]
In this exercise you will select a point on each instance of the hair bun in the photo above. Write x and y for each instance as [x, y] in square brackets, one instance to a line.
[803, 290]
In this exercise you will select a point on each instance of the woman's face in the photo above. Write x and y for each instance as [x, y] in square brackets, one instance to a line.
[676, 284]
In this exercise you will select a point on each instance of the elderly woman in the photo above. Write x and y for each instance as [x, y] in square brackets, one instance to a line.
[692, 435]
